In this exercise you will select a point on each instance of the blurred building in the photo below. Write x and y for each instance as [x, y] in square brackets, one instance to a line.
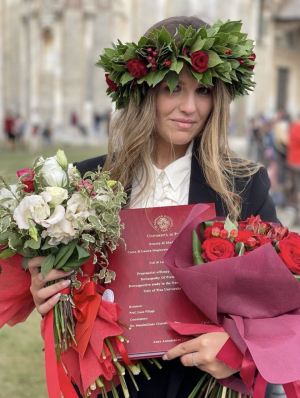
[48, 49]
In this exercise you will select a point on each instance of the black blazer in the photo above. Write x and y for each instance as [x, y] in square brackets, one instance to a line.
[254, 192]
[174, 380]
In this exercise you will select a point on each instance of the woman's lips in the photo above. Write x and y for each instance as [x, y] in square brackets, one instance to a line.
[183, 124]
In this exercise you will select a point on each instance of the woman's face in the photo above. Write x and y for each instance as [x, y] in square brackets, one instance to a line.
[181, 115]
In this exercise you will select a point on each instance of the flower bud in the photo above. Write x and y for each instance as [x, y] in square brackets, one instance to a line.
[251, 242]
[62, 160]
[215, 231]
[223, 233]
[33, 233]
[234, 233]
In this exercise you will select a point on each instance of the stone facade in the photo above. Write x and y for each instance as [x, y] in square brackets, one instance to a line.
[48, 49]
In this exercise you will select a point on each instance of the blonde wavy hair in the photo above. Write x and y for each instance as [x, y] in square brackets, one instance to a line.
[132, 141]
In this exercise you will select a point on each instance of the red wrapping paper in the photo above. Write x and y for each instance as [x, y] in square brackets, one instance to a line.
[16, 302]
[255, 298]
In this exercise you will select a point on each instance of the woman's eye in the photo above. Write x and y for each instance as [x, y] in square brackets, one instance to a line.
[204, 90]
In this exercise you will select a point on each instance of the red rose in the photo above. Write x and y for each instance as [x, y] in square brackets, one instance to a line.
[199, 61]
[28, 180]
[290, 253]
[217, 249]
[137, 67]
[112, 85]
[244, 235]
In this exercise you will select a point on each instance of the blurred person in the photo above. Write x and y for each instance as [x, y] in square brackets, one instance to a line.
[293, 163]
[9, 122]
[281, 128]
[19, 128]
[34, 139]
[47, 134]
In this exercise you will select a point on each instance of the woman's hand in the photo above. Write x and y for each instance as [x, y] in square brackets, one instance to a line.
[45, 298]
[205, 349]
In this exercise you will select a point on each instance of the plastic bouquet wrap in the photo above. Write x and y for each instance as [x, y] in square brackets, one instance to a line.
[245, 278]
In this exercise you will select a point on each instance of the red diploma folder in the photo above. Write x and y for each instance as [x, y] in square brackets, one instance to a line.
[144, 287]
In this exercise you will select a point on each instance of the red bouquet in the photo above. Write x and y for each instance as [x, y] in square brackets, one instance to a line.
[244, 277]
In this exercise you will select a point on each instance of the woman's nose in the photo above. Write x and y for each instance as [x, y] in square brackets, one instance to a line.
[187, 103]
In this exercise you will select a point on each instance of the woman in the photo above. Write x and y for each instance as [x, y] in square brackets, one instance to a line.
[170, 148]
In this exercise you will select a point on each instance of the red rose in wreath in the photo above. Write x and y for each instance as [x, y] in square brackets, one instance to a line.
[112, 85]
[137, 68]
[199, 61]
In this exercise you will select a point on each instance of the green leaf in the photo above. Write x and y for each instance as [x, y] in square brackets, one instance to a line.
[198, 76]
[142, 41]
[232, 26]
[95, 222]
[110, 275]
[172, 79]
[158, 76]
[198, 45]
[16, 241]
[47, 264]
[177, 66]
[228, 225]
[149, 78]
[47, 246]
[208, 44]
[182, 31]
[25, 262]
[239, 248]
[221, 38]
[88, 238]
[207, 78]
[4, 237]
[187, 59]
[297, 277]
[164, 37]
[7, 253]
[214, 59]
[129, 54]
[118, 67]
[64, 253]
[203, 32]
[110, 52]
[33, 244]
[127, 77]
[82, 253]
[197, 249]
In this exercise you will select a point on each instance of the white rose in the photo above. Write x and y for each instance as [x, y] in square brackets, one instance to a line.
[11, 202]
[58, 195]
[76, 209]
[72, 172]
[53, 174]
[61, 232]
[32, 207]
[57, 216]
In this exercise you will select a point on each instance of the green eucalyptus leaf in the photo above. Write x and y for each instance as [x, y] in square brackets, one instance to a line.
[229, 225]
[207, 78]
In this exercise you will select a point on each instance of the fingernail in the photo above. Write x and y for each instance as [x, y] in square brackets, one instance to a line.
[66, 283]
[165, 357]
[57, 296]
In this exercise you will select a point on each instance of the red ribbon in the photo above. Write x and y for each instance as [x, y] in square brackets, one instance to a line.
[82, 298]
[260, 387]
[123, 352]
